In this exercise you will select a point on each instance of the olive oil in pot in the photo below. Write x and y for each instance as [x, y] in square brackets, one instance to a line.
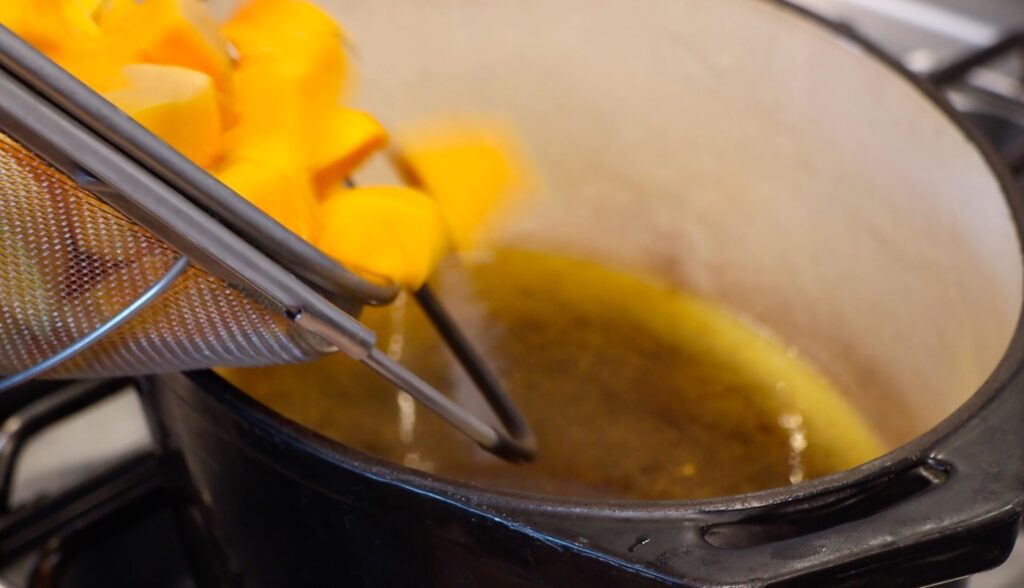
[634, 389]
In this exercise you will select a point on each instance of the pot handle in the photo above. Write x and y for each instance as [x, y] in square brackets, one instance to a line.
[940, 513]
[931, 523]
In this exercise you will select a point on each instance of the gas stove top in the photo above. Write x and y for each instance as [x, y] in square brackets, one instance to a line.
[966, 47]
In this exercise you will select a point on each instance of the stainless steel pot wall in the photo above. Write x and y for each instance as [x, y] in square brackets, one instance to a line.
[743, 150]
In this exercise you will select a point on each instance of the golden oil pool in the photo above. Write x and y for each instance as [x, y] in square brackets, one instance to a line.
[634, 388]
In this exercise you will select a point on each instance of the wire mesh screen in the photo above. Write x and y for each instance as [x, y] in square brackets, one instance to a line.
[69, 263]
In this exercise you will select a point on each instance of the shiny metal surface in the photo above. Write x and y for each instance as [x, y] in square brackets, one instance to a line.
[133, 309]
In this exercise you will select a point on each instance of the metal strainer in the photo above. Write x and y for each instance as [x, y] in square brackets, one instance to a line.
[120, 257]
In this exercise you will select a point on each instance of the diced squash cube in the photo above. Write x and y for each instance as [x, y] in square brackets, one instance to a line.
[65, 31]
[178, 105]
[386, 234]
[48, 24]
[106, 11]
[474, 168]
[290, 53]
[284, 194]
[170, 32]
[272, 122]
[92, 65]
[87, 7]
[344, 141]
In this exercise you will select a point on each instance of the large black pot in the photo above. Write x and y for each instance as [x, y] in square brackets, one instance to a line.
[874, 233]
[291, 508]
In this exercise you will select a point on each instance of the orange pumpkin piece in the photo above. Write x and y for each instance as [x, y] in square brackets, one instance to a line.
[387, 234]
[49, 24]
[88, 8]
[284, 194]
[291, 55]
[178, 105]
[169, 32]
[273, 126]
[346, 139]
[104, 9]
[68, 35]
[91, 64]
[474, 168]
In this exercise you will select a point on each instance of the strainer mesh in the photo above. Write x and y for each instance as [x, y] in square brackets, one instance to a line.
[69, 263]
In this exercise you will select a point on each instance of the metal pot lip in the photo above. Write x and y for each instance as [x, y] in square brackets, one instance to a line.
[913, 452]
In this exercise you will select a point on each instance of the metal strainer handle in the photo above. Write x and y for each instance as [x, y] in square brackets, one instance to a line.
[518, 445]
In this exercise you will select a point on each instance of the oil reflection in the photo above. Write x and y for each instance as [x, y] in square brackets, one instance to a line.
[793, 423]
[406, 405]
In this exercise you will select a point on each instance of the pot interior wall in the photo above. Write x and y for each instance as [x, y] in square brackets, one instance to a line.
[742, 151]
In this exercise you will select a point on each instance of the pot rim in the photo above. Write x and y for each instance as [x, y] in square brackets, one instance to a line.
[912, 451]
